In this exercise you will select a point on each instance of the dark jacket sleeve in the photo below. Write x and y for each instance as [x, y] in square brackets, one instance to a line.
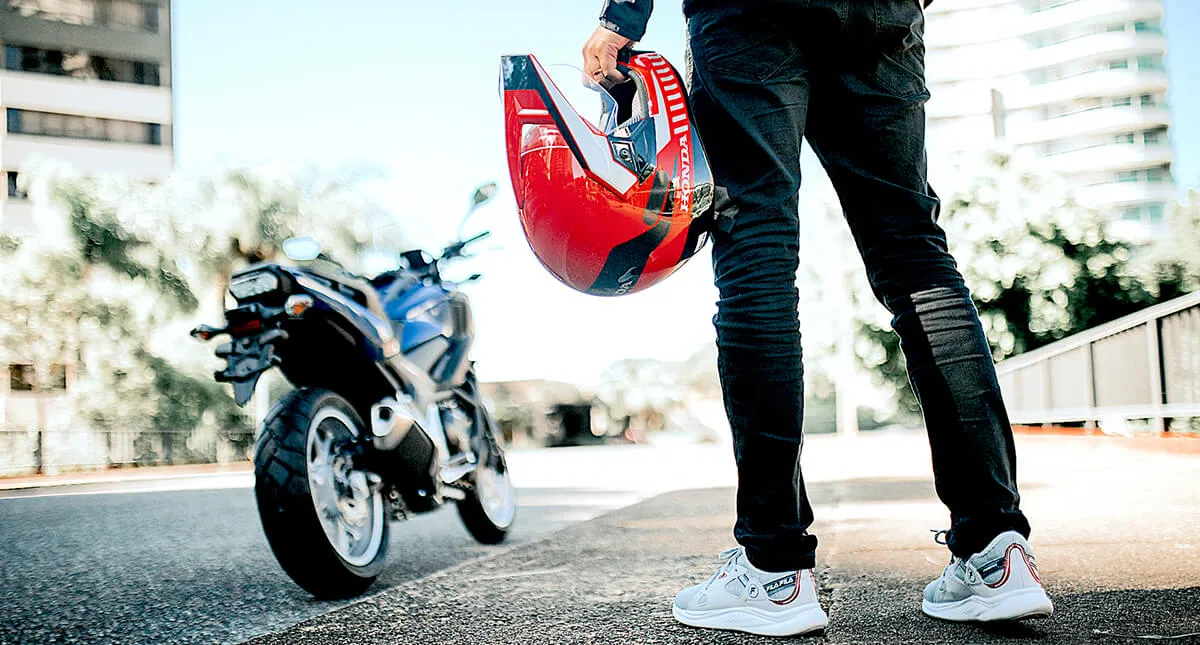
[627, 17]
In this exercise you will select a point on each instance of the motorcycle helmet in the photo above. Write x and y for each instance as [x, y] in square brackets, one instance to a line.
[613, 205]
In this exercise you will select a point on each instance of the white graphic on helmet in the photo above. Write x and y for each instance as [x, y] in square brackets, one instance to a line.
[593, 146]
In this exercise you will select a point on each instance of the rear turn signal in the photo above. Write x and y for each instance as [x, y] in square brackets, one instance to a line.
[206, 332]
[297, 305]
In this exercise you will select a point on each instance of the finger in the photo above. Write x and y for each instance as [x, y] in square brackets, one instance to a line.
[611, 74]
[591, 62]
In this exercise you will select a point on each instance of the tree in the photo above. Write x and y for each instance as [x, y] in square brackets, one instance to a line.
[110, 283]
[1040, 265]
[242, 217]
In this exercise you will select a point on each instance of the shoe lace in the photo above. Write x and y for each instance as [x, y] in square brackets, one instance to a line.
[728, 559]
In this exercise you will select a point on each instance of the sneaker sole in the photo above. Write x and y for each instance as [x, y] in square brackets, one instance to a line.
[1014, 605]
[809, 618]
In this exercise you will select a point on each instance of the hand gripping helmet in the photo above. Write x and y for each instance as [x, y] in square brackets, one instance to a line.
[613, 206]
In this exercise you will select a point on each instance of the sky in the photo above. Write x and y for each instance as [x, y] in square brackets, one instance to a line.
[410, 88]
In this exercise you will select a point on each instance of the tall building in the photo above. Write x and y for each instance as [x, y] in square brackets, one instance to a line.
[1080, 84]
[85, 82]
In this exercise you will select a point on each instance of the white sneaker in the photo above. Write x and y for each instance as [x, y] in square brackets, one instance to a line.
[742, 598]
[998, 583]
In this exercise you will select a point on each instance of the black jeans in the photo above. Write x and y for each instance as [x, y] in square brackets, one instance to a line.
[848, 75]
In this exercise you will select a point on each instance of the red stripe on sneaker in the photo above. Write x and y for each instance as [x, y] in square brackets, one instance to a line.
[795, 592]
[1032, 567]
[1008, 566]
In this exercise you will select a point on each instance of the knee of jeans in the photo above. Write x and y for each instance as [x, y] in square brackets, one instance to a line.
[758, 305]
[939, 325]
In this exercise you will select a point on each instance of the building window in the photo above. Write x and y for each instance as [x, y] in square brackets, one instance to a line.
[83, 127]
[1151, 214]
[14, 189]
[79, 64]
[1122, 101]
[23, 378]
[1151, 137]
[1148, 26]
[1124, 138]
[119, 14]
[1118, 64]
[1156, 175]
[1127, 176]
[1113, 28]
[1154, 62]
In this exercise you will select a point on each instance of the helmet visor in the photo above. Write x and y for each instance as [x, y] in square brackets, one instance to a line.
[588, 98]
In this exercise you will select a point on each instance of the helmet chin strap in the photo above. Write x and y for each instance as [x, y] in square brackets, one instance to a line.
[720, 215]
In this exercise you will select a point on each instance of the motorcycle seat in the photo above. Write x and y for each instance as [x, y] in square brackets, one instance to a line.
[365, 293]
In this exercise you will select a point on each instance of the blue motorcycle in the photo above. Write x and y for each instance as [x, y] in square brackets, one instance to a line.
[385, 420]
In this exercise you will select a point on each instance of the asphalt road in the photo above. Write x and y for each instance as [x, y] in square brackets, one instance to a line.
[192, 566]
[1116, 533]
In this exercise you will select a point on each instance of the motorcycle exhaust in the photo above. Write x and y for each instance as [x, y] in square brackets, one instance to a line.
[390, 422]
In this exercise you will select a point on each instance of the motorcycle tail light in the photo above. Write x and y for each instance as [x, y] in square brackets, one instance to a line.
[253, 284]
[246, 327]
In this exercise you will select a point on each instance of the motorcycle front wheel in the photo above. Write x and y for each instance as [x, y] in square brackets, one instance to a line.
[325, 522]
[491, 502]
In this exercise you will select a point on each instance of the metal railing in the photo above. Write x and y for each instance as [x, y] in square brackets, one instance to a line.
[1143, 366]
[29, 450]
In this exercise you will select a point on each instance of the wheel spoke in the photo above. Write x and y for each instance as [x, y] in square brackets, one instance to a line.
[350, 512]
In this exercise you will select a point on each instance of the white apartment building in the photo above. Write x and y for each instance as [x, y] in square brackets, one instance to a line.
[87, 83]
[1079, 84]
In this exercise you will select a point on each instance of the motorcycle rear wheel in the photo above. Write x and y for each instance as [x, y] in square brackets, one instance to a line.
[326, 528]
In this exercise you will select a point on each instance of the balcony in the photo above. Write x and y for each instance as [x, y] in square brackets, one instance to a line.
[1099, 47]
[85, 97]
[1108, 82]
[1111, 157]
[1092, 10]
[135, 160]
[1098, 121]
[1117, 193]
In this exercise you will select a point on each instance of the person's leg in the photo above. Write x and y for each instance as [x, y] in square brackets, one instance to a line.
[867, 125]
[749, 97]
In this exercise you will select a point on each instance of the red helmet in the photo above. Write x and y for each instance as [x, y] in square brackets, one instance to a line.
[610, 207]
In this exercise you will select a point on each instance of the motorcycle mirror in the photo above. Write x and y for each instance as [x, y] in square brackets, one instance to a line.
[302, 249]
[483, 194]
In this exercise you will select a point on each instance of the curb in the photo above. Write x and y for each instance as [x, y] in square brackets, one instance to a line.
[123, 475]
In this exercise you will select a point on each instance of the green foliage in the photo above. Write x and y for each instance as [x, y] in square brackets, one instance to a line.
[117, 272]
[104, 240]
[1041, 266]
